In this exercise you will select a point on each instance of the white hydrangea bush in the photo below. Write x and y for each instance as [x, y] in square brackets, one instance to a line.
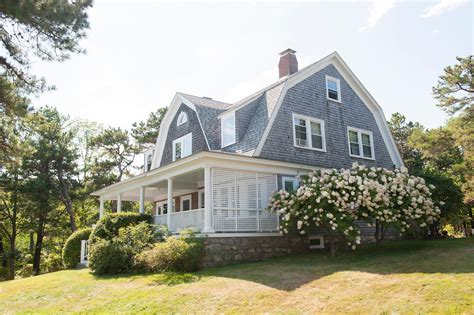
[320, 201]
[337, 199]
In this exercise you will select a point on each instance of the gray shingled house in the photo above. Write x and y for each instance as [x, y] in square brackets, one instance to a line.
[218, 163]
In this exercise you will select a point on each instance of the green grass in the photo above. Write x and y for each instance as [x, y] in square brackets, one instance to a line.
[399, 277]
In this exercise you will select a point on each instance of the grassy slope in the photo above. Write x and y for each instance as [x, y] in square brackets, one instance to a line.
[403, 277]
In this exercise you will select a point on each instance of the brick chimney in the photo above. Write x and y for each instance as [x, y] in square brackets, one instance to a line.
[288, 63]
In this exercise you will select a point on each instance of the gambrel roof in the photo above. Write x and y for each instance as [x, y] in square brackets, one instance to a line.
[257, 113]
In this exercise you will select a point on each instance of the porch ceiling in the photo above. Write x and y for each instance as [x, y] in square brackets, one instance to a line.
[158, 191]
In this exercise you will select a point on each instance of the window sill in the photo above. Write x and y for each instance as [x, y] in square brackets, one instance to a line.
[332, 100]
[308, 148]
[361, 157]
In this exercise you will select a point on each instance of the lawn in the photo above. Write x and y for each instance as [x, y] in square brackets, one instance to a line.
[399, 277]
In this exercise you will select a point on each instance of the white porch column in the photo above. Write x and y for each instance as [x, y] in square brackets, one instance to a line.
[170, 203]
[208, 201]
[142, 200]
[119, 202]
[101, 208]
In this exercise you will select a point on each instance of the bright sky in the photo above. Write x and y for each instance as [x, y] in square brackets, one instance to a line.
[139, 53]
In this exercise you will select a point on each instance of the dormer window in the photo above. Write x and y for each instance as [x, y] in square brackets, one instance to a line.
[228, 129]
[333, 89]
[148, 156]
[182, 118]
[182, 147]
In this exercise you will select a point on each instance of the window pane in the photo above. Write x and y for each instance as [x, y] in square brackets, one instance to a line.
[353, 136]
[367, 151]
[365, 139]
[289, 187]
[355, 149]
[177, 150]
[332, 85]
[317, 141]
[315, 128]
[300, 132]
[333, 95]
[186, 205]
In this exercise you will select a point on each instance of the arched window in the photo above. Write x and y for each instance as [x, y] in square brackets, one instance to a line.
[182, 118]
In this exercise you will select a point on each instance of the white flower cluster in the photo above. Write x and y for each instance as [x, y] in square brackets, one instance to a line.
[336, 199]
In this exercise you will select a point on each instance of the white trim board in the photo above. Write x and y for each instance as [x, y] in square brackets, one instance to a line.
[355, 85]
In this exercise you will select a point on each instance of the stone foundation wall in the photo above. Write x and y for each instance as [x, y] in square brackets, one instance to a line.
[221, 251]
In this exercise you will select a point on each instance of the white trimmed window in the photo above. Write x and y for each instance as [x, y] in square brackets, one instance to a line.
[289, 183]
[162, 207]
[228, 129]
[308, 133]
[316, 241]
[182, 147]
[333, 89]
[182, 118]
[185, 203]
[361, 143]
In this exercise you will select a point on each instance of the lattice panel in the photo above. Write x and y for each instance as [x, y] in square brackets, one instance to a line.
[239, 200]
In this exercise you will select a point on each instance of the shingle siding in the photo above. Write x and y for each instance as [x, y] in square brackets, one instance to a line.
[211, 125]
[309, 98]
[175, 132]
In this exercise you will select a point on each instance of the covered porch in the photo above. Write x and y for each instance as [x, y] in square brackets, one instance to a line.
[212, 193]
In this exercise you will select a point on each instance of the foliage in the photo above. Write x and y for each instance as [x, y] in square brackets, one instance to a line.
[175, 254]
[401, 131]
[108, 257]
[116, 152]
[146, 132]
[52, 261]
[108, 227]
[72, 248]
[455, 88]
[131, 240]
[444, 152]
[50, 30]
[446, 194]
[336, 199]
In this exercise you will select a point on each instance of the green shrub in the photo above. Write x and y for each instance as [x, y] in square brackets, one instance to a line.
[72, 249]
[108, 227]
[116, 255]
[25, 271]
[108, 257]
[51, 262]
[175, 254]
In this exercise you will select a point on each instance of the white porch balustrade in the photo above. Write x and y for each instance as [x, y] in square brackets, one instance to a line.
[238, 220]
[186, 219]
[183, 220]
[224, 220]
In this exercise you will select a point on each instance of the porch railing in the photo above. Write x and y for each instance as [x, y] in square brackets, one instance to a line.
[183, 219]
[244, 220]
[160, 219]
[224, 220]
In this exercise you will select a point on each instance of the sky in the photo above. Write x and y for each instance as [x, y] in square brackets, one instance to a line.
[140, 53]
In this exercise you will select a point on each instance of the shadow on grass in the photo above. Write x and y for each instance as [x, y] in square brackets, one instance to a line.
[164, 278]
[392, 257]
[173, 278]
[291, 272]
